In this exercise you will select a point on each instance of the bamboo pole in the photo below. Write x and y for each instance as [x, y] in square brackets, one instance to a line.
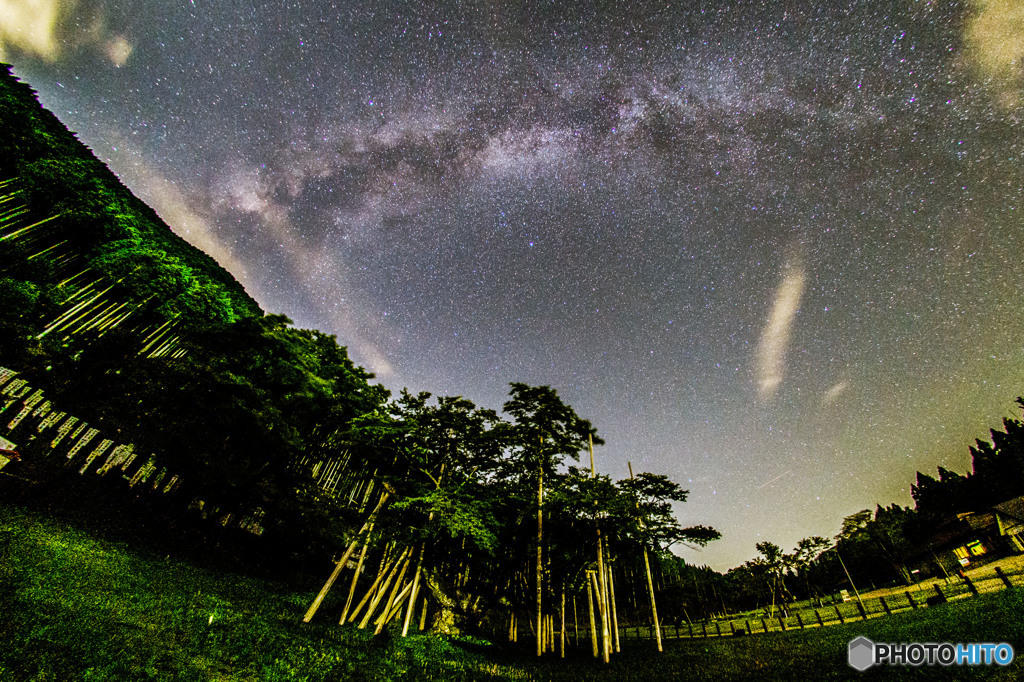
[392, 597]
[352, 586]
[341, 564]
[330, 581]
[562, 630]
[650, 581]
[382, 570]
[591, 587]
[396, 605]
[606, 616]
[423, 616]
[415, 591]
[375, 602]
[615, 614]
[540, 540]
[575, 623]
[599, 583]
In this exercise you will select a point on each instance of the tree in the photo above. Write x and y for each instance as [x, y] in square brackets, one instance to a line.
[804, 554]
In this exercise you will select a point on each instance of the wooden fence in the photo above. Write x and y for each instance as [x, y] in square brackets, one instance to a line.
[879, 604]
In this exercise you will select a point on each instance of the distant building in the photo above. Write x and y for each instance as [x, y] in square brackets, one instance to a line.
[972, 538]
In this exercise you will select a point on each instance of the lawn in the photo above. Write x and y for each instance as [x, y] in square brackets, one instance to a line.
[73, 606]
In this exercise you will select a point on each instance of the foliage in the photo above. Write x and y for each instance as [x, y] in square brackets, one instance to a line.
[997, 475]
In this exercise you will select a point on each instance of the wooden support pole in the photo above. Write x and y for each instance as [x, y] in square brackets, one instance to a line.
[352, 586]
[540, 542]
[341, 564]
[562, 629]
[399, 562]
[599, 581]
[591, 585]
[650, 583]
[615, 613]
[311, 611]
[415, 591]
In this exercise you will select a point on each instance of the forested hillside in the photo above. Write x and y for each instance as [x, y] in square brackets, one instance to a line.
[65, 216]
[143, 344]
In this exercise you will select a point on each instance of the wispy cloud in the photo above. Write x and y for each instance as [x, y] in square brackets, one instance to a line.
[771, 350]
[832, 394]
[995, 40]
[29, 26]
[49, 29]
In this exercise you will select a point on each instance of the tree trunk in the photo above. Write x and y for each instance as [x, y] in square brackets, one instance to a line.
[457, 613]
[590, 602]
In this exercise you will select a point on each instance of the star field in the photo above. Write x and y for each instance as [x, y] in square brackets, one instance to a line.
[772, 250]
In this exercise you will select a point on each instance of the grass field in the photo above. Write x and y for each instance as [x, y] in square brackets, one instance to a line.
[76, 607]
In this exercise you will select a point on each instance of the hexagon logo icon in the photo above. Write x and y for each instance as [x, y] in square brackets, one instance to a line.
[861, 654]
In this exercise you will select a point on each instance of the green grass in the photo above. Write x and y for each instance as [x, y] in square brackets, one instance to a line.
[73, 607]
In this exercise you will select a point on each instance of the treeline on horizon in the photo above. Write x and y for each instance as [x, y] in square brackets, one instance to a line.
[881, 546]
[132, 328]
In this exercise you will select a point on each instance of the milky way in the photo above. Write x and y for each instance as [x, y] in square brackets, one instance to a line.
[771, 251]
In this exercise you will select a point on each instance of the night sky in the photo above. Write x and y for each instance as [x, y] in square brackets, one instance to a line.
[772, 250]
